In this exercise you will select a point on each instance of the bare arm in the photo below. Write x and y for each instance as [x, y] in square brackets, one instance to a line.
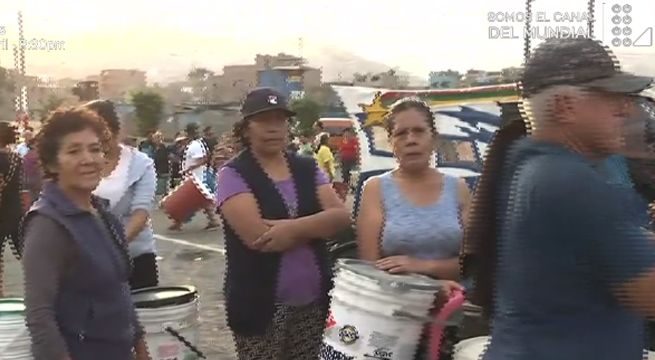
[464, 197]
[144, 196]
[135, 225]
[197, 163]
[242, 213]
[442, 269]
[47, 255]
[370, 219]
[639, 294]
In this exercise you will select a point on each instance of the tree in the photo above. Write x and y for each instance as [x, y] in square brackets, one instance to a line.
[307, 112]
[51, 103]
[200, 74]
[7, 86]
[358, 77]
[200, 79]
[328, 100]
[149, 108]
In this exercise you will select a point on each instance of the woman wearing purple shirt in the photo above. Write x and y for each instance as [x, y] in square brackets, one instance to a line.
[293, 327]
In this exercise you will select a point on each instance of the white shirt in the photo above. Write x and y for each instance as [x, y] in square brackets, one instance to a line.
[114, 186]
[194, 152]
[22, 149]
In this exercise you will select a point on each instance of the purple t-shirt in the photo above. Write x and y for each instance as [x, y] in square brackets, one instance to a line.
[299, 281]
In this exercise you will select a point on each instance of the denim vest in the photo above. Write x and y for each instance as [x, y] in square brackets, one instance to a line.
[251, 276]
[94, 303]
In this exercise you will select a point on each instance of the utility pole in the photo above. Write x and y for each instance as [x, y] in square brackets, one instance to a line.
[20, 102]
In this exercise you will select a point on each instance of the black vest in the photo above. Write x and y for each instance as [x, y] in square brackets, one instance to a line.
[251, 277]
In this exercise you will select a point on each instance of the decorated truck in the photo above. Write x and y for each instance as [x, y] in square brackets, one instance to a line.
[466, 120]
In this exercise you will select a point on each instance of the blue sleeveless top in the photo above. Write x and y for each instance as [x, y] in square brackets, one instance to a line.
[424, 232]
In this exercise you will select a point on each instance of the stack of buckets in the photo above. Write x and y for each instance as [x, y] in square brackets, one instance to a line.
[14, 338]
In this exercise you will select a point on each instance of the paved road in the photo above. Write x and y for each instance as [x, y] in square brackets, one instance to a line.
[191, 257]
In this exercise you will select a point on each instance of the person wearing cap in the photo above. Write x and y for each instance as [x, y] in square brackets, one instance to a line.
[277, 208]
[196, 163]
[572, 267]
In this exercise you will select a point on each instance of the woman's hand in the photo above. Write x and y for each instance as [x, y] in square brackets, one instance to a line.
[450, 287]
[141, 350]
[281, 236]
[401, 264]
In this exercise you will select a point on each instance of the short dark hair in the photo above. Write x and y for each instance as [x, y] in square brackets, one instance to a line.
[407, 104]
[107, 111]
[8, 133]
[60, 123]
[191, 130]
[324, 139]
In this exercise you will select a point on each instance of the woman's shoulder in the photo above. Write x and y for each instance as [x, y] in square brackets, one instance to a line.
[42, 223]
[139, 158]
[374, 182]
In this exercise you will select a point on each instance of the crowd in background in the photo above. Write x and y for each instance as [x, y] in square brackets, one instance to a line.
[555, 241]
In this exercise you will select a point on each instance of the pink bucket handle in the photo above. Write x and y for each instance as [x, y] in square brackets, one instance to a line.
[436, 330]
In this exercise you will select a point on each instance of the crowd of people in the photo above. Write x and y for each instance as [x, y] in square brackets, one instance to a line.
[555, 243]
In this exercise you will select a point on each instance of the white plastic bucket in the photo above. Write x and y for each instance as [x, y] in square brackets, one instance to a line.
[15, 342]
[376, 315]
[472, 349]
[168, 307]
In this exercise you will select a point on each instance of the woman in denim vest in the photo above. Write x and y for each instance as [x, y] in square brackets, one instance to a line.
[75, 262]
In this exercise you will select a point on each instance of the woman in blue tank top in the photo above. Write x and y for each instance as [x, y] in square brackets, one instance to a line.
[410, 218]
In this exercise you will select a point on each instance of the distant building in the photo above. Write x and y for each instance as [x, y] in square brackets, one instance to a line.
[235, 82]
[489, 77]
[481, 77]
[511, 74]
[386, 80]
[291, 80]
[285, 72]
[43, 92]
[116, 84]
[444, 79]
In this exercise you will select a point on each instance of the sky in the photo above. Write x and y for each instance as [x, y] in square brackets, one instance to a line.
[167, 37]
